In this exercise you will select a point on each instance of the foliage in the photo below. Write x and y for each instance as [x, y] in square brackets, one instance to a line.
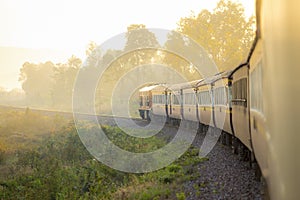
[63, 83]
[24, 129]
[37, 81]
[48, 84]
[224, 33]
[130, 143]
[164, 183]
[180, 196]
[138, 36]
[60, 167]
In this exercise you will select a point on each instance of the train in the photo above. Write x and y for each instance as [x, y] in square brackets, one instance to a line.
[256, 104]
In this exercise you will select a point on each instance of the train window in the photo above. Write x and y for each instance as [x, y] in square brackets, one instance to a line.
[256, 88]
[176, 99]
[234, 89]
[198, 99]
[216, 95]
[244, 88]
[186, 98]
[147, 101]
[189, 99]
[226, 95]
[239, 91]
[159, 99]
[163, 99]
[220, 96]
[141, 101]
[229, 95]
[205, 98]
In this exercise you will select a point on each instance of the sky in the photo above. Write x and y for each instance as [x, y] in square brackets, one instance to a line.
[69, 25]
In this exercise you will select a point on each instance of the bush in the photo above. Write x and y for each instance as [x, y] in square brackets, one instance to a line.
[2, 156]
[180, 196]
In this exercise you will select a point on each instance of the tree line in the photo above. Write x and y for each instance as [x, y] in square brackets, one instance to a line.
[225, 34]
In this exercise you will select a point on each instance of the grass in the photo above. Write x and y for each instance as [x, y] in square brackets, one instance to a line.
[54, 164]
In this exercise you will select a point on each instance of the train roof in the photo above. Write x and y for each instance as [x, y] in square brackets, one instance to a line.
[237, 68]
[150, 87]
[185, 85]
[214, 78]
[191, 84]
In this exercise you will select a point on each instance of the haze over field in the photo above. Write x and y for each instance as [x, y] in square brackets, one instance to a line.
[12, 59]
[38, 31]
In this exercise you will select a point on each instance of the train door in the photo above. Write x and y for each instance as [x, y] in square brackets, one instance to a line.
[240, 105]
[170, 103]
[181, 104]
[212, 89]
[166, 103]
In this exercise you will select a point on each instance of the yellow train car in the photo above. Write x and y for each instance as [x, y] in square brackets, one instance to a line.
[222, 102]
[240, 104]
[275, 96]
[159, 101]
[205, 100]
[145, 101]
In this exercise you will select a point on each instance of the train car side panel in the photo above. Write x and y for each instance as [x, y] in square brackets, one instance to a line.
[221, 105]
[205, 107]
[159, 101]
[257, 118]
[189, 102]
[280, 31]
[175, 104]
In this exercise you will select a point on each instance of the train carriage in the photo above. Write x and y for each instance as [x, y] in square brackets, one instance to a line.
[275, 96]
[222, 102]
[265, 94]
[145, 101]
[176, 102]
[240, 104]
[258, 127]
[159, 101]
[190, 102]
[205, 101]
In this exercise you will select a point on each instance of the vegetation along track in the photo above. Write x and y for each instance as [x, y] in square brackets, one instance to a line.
[223, 175]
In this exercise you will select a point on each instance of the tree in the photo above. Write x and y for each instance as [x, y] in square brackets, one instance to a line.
[224, 33]
[178, 60]
[90, 48]
[94, 55]
[64, 79]
[37, 81]
[138, 38]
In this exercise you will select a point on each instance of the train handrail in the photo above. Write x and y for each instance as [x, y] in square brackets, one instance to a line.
[238, 100]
